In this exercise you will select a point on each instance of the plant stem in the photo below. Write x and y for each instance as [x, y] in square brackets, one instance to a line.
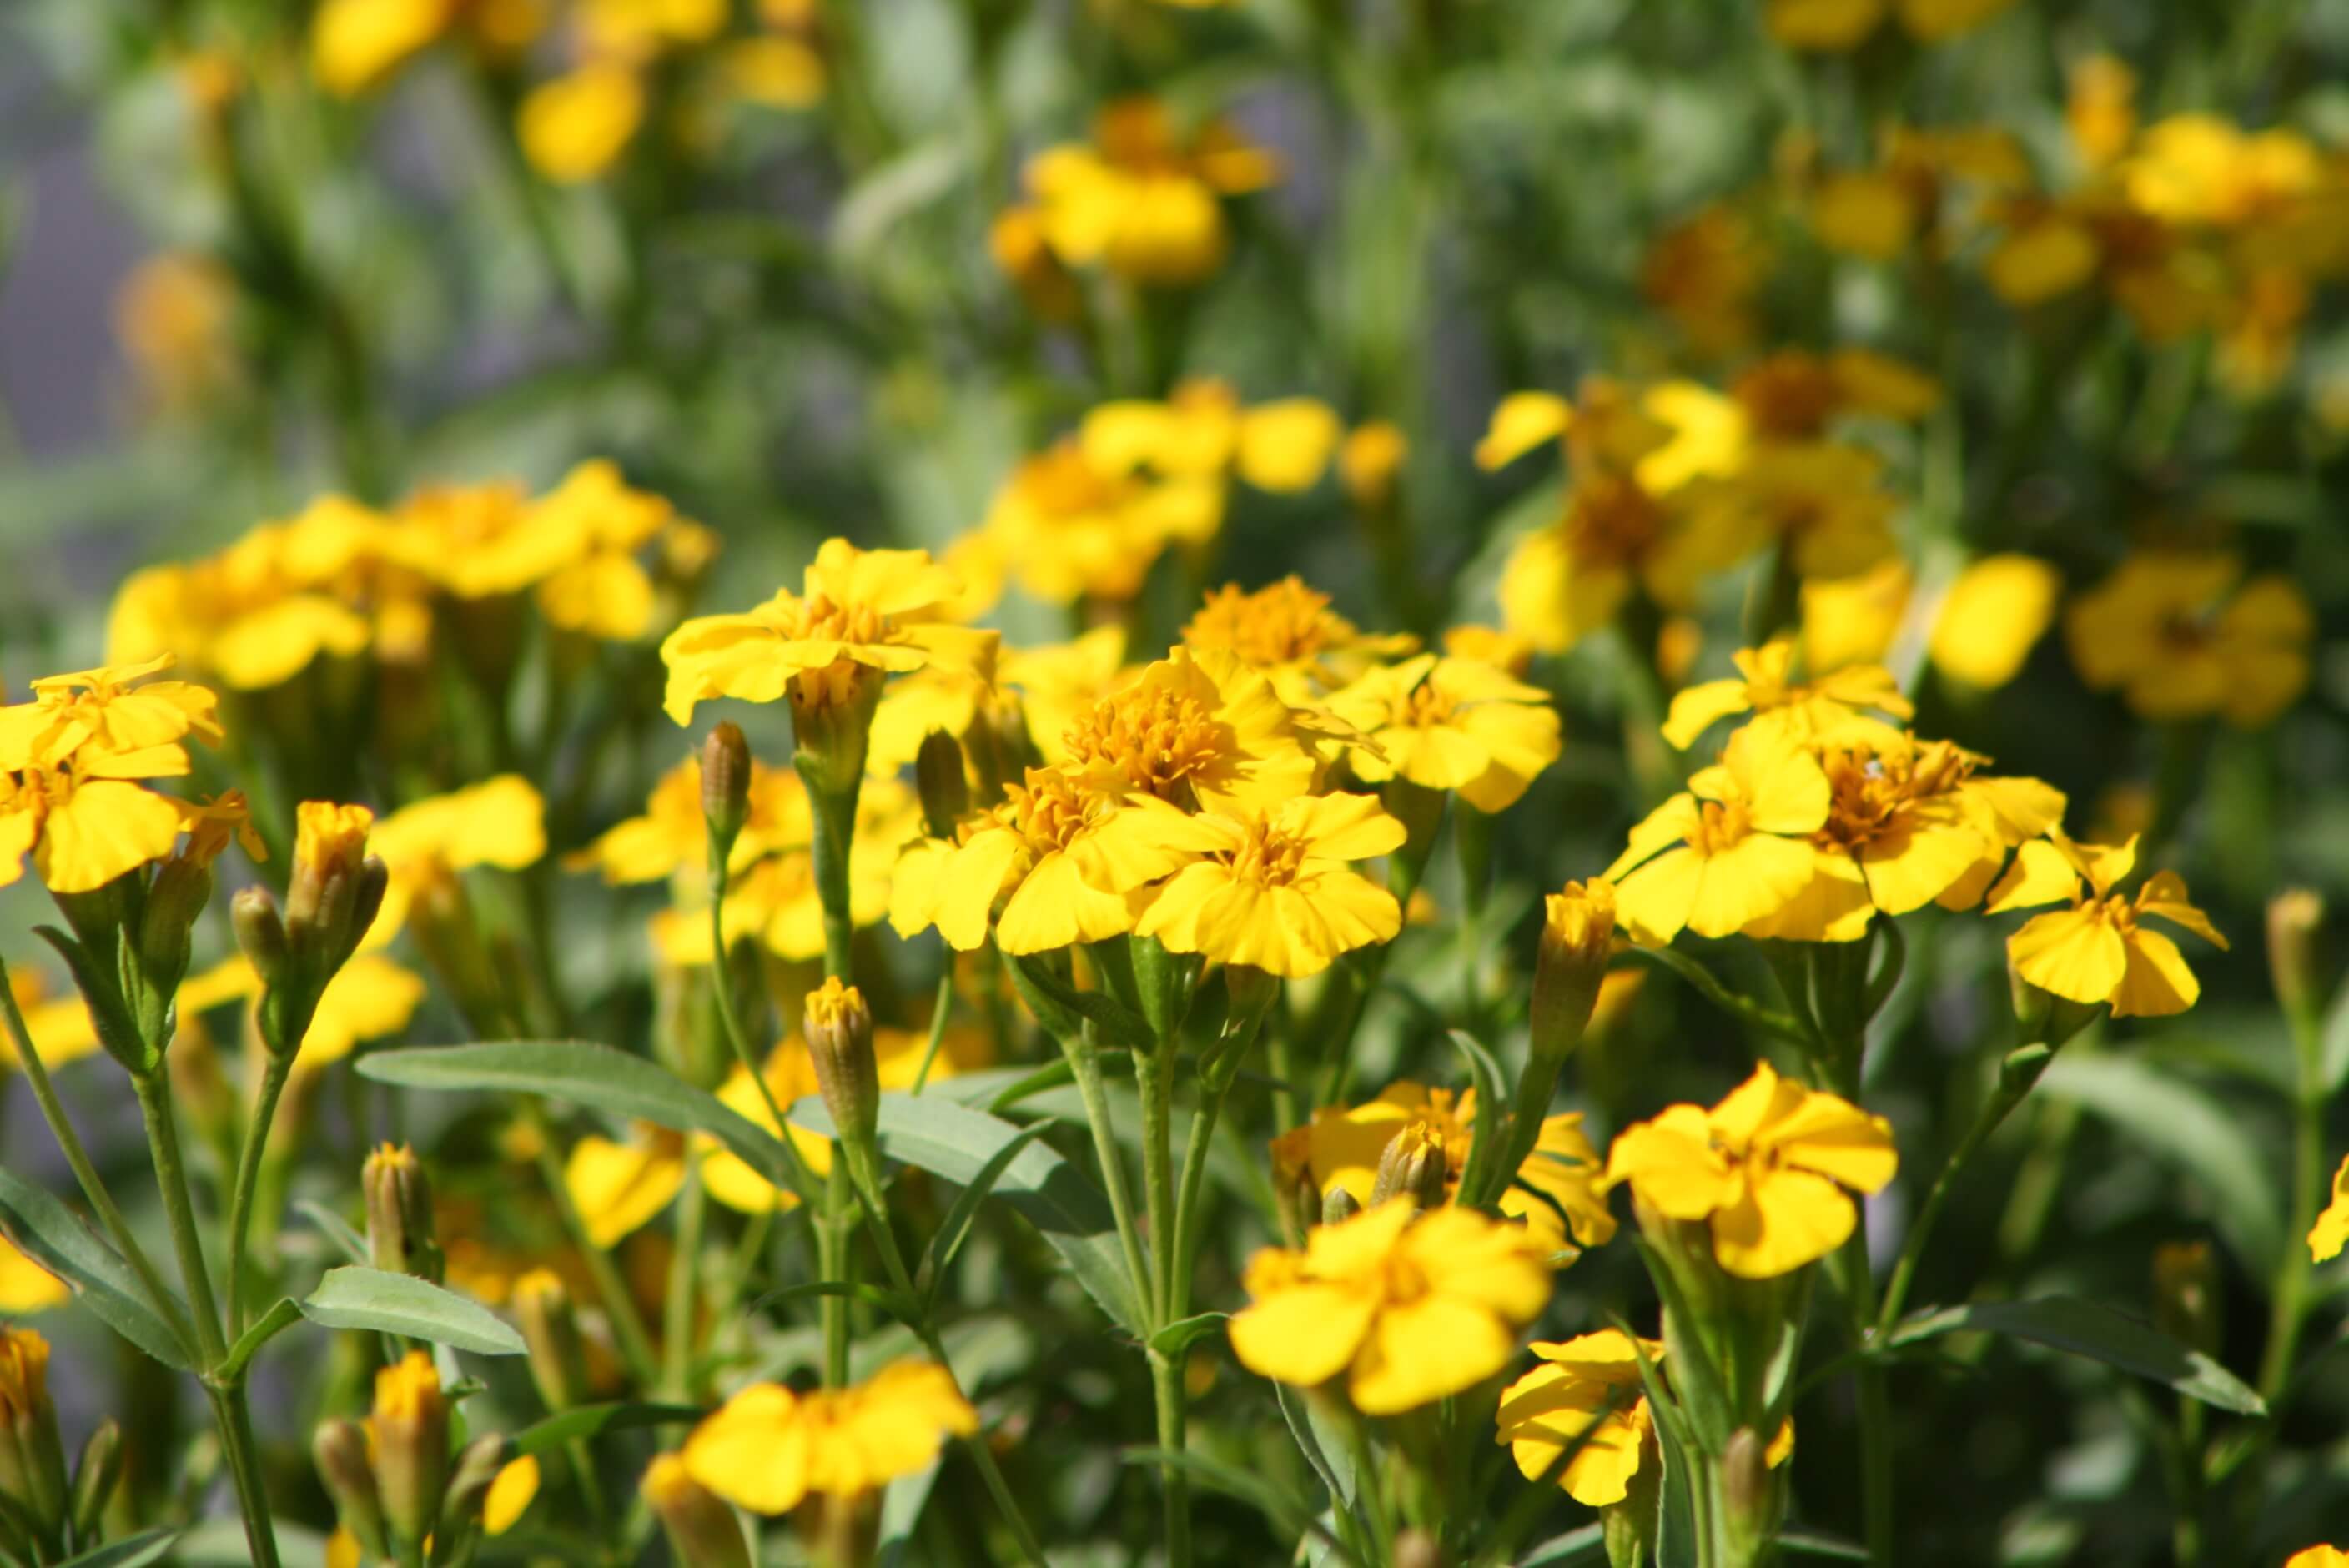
[1085, 1065]
[233, 1413]
[627, 1324]
[831, 1264]
[1369, 1485]
[2291, 1304]
[684, 1268]
[179, 1210]
[834, 820]
[1156, 1077]
[274, 1075]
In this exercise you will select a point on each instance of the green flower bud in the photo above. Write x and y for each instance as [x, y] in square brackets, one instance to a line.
[944, 788]
[32, 1453]
[702, 1531]
[2294, 918]
[1577, 937]
[468, 1486]
[340, 1450]
[260, 933]
[412, 1446]
[1338, 1206]
[839, 1031]
[549, 1329]
[1412, 1164]
[96, 1474]
[725, 785]
[399, 1214]
[182, 888]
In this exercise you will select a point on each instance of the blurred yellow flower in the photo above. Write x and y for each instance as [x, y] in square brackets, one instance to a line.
[618, 1187]
[2331, 1231]
[510, 1494]
[2318, 1557]
[1589, 1384]
[1068, 530]
[1768, 1167]
[1201, 431]
[1783, 708]
[1836, 25]
[1992, 617]
[1562, 583]
[1273, 889]
[1705, 272]
[2100, 110]
[774, 73]
[767, 1448]
[356, 44]
[2098, 950]
[2184, 634]
[1143, 198]
[574, 128]
[26, 1287]
[1854, 620]
[1730, 850]
[1450, 724]
[499, 822]
[1410, 1306]
[175, 316]
[672, 837]
[1369, 459]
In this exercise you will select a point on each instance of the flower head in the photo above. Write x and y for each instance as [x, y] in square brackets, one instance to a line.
[2100, 950]
[1141, 199]
[1728, 851]
[1768, 1167]
[1194, 730]
[112, 712]
[1410, 1305]
[2182, 636]
[767, 1448]
[1272, 888]
[1451, 724]
[1287, 631]
[1587, 1385]
[1837, 702]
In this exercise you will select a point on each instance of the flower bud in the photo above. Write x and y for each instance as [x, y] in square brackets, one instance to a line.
[340, 1450]
[2294, 917]
[182, 888]
[476, 1471]
[32, 1454]
[1415, 1548]
[96, 1474]
[839, 1030]
[260, 932]
[1338, 1205]
[549, 1329]
[944, 788]
[412, 1446]
[329, 846]
[702, 1530]
[1368, 461]
[831, 724]
[1578, 937]
[725, 785]
[1748, 1492]
[399, 1214]
[1412, 1164]
[2186, 1296]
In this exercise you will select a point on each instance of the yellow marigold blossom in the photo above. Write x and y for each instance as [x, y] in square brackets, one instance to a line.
[1410, 1306]
[1273, 890]
[1589, 1384]
[82, 828]
[1017, 242]
[618, 1187]
[574, 128]
[2183, 634]
[1563, 581]
[1730, 850]
[1201, 431]
[510, 1494]
[767, 1448]
[1783, 708]
[1059, 683]
[175, 316]
[1823, 502]
[1491, 646]
[1369, 459]
[601, 590]
[640, 30]
[672, 837]
[1522, 423]
[1142, 200]
[2100, 950]
[1992, 617]
[777, 901]
[26, 1287]
[2100, 109]
[1833, 27]
[1287, 631]
[1854, 620]
[774, 73]
[2331, 1228]
[497, 822]
[2199, 169]
[355, 43]
[1705, 272]
[1193, 730]
[1064, 860]
[1070, 529]
[1450, 724]
[137, 725]
[1767, 1167]
[1555, 1193]
[2318, 1557]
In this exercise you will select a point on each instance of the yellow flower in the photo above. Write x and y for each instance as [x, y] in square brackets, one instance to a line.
[1059, 683]
[2181, 636]
[1193, 730]
[510, 1495]
[1794, 394]
[497, 822]
[1834, 703]
[949, 698]
[1767, 1167]
[1411, 1308]
[1563, 581]
[1070, 529]
[1837, 25]
[672, 837]
[1017, 242]
[2331, 1228]
[1450, 724]
[2098, 950]
[1589, 1384]
[1853, 620]
[1201, 431]
[82, 828]
[1064, 861]
[1523, 422]
[1822, 501]
[355, 43]
[640, 30]
[1727, 852]
[2318, 1557]
[137, 726]
[1143, 199]
[176, 317]
[861, 609]
[1992, 615]
[767, 1448]
[600, 590]
[2199, 169]
[1273, 889]
[1369, 459]
[574, 128]
[25, 1286]
[2100, 110]
[618, 1187]
[1287, 631]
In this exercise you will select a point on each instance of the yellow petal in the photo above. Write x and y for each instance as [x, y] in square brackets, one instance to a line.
[2157, 982]
[1784, 1218]
[1696, 708]
[1992, 616]
[510, 1495]
[1523, 421]
[2075, 954]
[1304, 1335]
[2332, 1230]
[1419, 1353]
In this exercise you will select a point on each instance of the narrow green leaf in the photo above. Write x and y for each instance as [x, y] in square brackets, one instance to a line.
[1185, 1332]
[356, 1297]
[1491, 1096]
[956, 1227]
[1819, 1543]
[1247, 1485]
[55, 1237]
[901, 1510]
[904, 1309]
[585, 1074]
[594, 1420]
[2080, 1327]
[1588, 1545]
[1331, 1461]
[275, 1321]
[132, 1552]
[1067, 1210]
[1117, 1023]
[1051, 1074]
[337, 1230]
[2336, 1041]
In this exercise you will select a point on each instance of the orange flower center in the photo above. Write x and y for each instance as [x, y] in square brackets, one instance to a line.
[1788, 397]
[1427, 708]
[821, 620]
[1269, 857]
[1049, 811]
[1285, 623]
[1720, 825]
[1159, 742]
[1613, 522]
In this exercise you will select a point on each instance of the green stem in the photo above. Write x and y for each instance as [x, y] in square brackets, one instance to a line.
[1369, 1485]
[274, 1075]
[835, 819]
[831, 1265]
[627, 1324]
[179, 1210]
[684, 1267]
[1085, 1065]
[2291, 1305]
[233, 1413]
[1156, 1077]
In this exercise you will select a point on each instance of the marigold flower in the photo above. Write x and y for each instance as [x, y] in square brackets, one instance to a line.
[82, 828]
[871, 609]
[767, 1448]
[1992, 617]
[2098, 950]
[2100, 109]
[1854, 620]
[1729, 849]
[1068, 530]
[1201, 431]
[410, 1430]
[2332, 1228]
[1450, 724]
[356, 44]
[1410, 1305]
[1833, 705]
[1588, 1384]
[672, 837]
[26, 1287]
[1287, 631]
[112, 712]
[1272, 889]
[1142, 200]
[2318, 1557]
[574, 128]
[2184, 634]
[500, 822]
[618, 1187]
[1768, 1167]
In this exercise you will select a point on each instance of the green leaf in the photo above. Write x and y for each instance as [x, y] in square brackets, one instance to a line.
[901, 1510]
[1676, 1537]
[1051, 1074]
[1067, 1210]
[1588, 1545]
[356, 1297]
[956, 1227]
[336, 1229]
[2080, 1327]
[597, 1077]
[1247, 1485]
[275, 1321]
[1330, 1460]
[1819, 1543]
[1491, 1096]
[903, 1308]
[1185, 1332]
[132, 1552]
[2190, 1129]
[55, 1237]
[594, 1420]
[2336, 1041]
[1057, 1003]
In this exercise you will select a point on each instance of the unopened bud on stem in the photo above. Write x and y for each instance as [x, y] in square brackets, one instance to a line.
[839, 1030]
[260, 932]
[702, 1530]
[2186, 1294]
[412, 1446]
[725, 785]
[340, 1449]
[32, 1453]
[96, 1474]
[399, 1214]
[470, 1481]
[944, 788]
[1412, 1164]
[549, 1330]
[2294, 917]
[1577, 936]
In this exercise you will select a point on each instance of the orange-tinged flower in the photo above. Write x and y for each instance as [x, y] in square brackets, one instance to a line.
[1287, 631]
[1193, 730]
